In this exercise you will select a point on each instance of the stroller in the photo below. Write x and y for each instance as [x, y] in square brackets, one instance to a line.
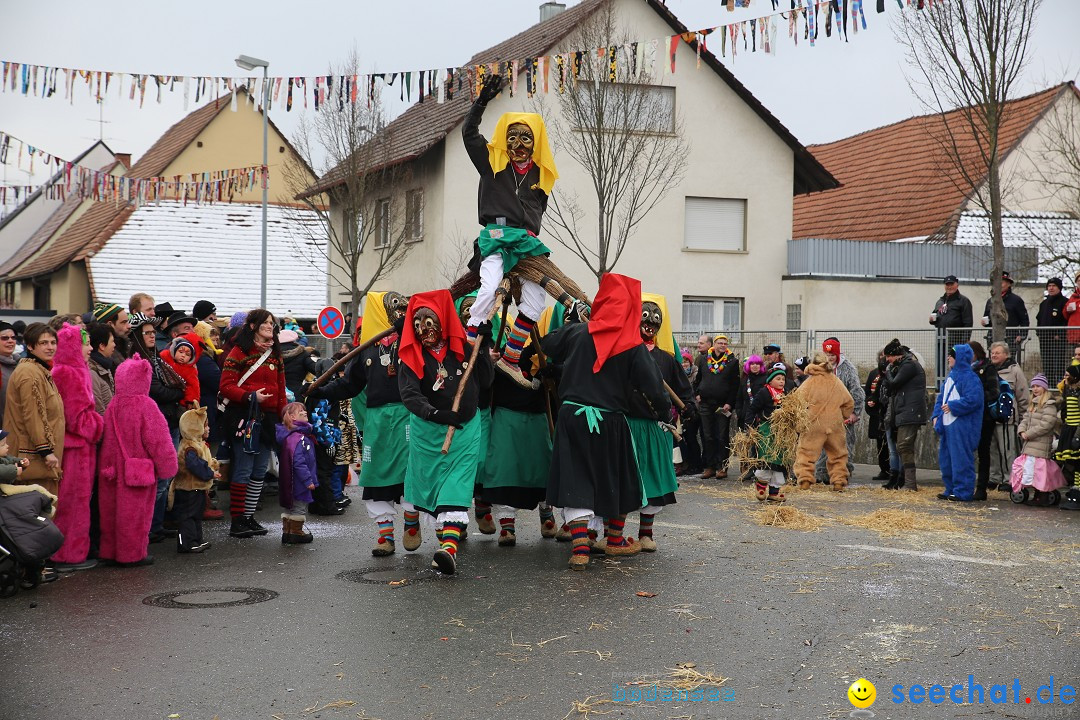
[27, 538]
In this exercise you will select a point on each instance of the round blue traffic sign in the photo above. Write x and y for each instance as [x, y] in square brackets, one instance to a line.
[331, 323]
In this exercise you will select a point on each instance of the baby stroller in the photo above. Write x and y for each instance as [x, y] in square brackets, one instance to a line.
[27, 538]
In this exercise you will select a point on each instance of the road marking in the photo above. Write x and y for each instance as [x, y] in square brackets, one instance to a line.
[935, 554]
[658, 523]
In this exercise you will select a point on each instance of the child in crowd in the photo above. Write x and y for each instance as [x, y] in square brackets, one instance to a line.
[197, 473]
[1033, 468]
[772, 477]
[181, 356]
[298, 474]
[1068, 449]
[10, 468]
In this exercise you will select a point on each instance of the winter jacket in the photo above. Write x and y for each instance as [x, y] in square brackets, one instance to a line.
[1016, 310]
[298, 467]
[1071, 312]
[829, 401]
[136, 448]
[298, 365]
[34, 419]
[953, 311]
[166, 389]
[963, 393]
[102, 381]
[71, 375]
[188, 372]
[718, 389]
[7, 366]
[270, 376]
[875, 407]
[906, 384]
[1040, 424]
[988, 376]
[751, 384]
[1052, 313]
[1011, 372]
[195, 465]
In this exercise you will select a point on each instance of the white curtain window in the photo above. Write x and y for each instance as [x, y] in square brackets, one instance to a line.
[715, 224]
[708, 315]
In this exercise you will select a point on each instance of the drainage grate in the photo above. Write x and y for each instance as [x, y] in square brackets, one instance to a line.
[390, 577]
[213, 597]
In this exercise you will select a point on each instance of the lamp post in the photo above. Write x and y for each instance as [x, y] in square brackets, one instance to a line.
[247, 62]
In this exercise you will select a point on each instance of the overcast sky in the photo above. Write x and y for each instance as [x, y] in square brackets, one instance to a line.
[823, 93]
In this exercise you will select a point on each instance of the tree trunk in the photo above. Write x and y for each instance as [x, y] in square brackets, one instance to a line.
[998, 316]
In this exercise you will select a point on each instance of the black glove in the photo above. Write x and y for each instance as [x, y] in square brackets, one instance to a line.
[492, 85]
[689, 413]
[579, 312]
[399, 325]
[446, 417]
[484, 330]
[550, 372]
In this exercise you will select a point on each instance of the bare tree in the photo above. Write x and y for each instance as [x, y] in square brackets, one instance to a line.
[627, 137]
[965, 58]
[368, 215]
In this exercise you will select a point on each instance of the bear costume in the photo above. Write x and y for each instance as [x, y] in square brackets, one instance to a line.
[830, 403]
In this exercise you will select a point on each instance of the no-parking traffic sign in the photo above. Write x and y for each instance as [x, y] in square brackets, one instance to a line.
[331, 323]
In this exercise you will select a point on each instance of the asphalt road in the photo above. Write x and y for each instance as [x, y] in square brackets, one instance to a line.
[778, 622]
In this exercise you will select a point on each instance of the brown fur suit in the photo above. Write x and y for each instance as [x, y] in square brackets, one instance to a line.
[830, 403]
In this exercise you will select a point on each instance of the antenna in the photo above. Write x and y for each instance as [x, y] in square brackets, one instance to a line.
[101, 121]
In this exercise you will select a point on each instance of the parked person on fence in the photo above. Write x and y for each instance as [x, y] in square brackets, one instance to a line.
[717, 392]
[848, 375]
[957, 420]
[1051, 321]
[830, 406]
[1006, 444]
[953, 315]
[1016, 317]
[8, 359]
[988, 376]
[905, 380]
[875, 429]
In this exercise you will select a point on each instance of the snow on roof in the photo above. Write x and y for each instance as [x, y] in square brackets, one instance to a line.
[184, 254]
[1055, 235]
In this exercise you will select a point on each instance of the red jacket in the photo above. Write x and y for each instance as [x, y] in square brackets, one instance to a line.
[270, 376]
[1072, 317]
[189, 373]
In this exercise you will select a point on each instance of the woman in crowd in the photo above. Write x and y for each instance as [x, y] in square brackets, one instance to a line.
[1005, 444]
[253, 371]
[102, 346]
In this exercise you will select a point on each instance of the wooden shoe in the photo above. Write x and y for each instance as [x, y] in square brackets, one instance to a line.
[563, 534]
[547, 529]
[515, 374]
[486, 524]
[579, 562]
[412, 539]
[777, 497]
[598, 546]
[761, 490]
[507, 539]
[629, 547]
[444, 562]
[647, 544]
[383, 547]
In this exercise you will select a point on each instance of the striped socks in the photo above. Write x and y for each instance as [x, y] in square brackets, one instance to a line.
[613, 531]
[470, 333]
[579, 534]
[519, 334]
[386, 531]
[451, 536]
[645, 527]
[412, 521]
[237, 495]
[251, 498]
[507, 525]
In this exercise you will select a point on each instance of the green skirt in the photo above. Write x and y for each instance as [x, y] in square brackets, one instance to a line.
[510, 242]
[484, 414]
[519, 451]
[386, 446]
[434, 481]
[359, 410]
[652, 449]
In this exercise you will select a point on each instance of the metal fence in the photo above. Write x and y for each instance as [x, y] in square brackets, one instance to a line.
[1044, 350]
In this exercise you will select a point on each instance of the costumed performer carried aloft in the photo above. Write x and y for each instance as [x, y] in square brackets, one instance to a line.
[517, 173]
[433, 363]
[386, 425]
[593, 468]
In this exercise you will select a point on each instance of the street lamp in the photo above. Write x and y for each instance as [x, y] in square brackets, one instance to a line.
[247, 62]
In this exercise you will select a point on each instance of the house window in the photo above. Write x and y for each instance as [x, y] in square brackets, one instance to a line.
[717, 224]
[350, 227]
[794, 317]
[414, 215]
[709, 315]
[382, 239]
[626, 106]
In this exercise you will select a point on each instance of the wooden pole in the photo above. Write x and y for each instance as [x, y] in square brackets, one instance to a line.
[674, 398]
[548, 389]
[348, 356]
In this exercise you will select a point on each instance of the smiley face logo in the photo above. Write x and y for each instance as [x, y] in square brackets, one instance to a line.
[862, 693]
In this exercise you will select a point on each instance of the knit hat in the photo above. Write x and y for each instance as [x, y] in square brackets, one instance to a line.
[777, 372]
[1055, 281]
[831, 346]
[181, 342]
[238, 318]
[3, 434]
[203, 309]
[104, 312]
[1041, 381]
[894, 348]
[287, 336]
[1073, 371]
[718, 336]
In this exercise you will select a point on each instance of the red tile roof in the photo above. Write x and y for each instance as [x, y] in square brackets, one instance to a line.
[898, 181]
[424, 125]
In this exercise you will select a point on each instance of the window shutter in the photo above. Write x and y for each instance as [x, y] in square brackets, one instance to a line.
[715, 224]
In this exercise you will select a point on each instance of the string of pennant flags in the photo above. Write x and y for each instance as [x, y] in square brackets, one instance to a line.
[72, 179]
[805, 20]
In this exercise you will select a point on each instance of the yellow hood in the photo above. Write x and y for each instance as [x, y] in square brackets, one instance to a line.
[498, 156]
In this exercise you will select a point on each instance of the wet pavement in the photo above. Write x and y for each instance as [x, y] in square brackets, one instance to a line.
[777, 622]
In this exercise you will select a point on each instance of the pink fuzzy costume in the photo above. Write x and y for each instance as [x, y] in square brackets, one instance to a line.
[81, 435]
[136, 451]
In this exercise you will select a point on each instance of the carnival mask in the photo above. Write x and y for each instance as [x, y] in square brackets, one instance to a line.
[464, 310]
[651, 320]
[394, 303]
[519, 142]
[427, 327]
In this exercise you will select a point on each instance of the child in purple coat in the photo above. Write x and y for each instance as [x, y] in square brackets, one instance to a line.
[297, 474]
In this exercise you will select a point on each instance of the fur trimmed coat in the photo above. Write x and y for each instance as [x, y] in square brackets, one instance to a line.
[1041, 424]
[82, 433]
[137, 450]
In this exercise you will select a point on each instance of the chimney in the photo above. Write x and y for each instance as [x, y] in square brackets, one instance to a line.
[124, 159]
[550, 9]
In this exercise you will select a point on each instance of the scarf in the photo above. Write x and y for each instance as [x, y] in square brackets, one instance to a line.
[717, 365]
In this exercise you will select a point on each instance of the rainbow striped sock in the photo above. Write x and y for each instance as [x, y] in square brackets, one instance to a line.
[579, 534]
[386, 531]
[645, 526]
[507, 525]
[519, 334]
[547, 514]
[451, 536]
[613, 530]
[412, 521]
[470, 333]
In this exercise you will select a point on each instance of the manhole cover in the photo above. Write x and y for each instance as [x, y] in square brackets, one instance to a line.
[216, 597]
[390, 577]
